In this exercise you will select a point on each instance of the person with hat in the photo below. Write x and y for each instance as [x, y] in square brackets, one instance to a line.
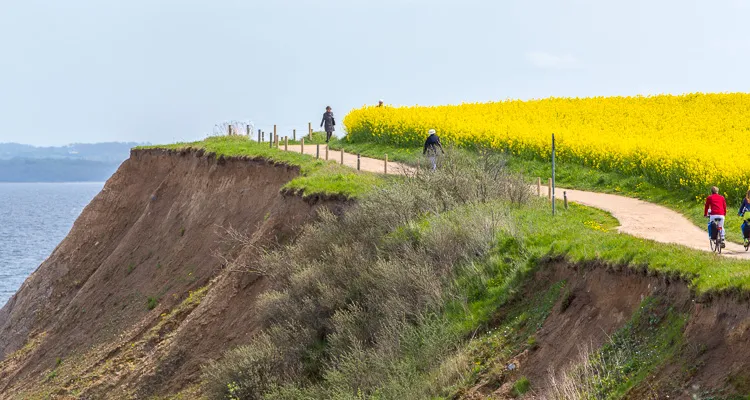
[380, 103]
[328, 122]
[431, 146]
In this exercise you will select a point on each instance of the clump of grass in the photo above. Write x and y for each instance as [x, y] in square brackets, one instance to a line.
[151, 302]
[521, 386]
[131, 268]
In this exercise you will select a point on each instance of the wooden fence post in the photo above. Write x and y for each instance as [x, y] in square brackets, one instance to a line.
[309, 130]
[248, 132]
[303, 146]
[294, 134]
[258, 135]
[229, 130]
[342, 156]
[539, 187]
[358, 161]
[286, 143]
[275, 135]
[262, 136]
[549, 189]
[385, 165]
[565, 199]
[326, 152]
[317, 151]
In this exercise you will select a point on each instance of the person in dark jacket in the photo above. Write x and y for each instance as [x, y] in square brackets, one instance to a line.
[745, 205]
[329, 123]
[431, 146]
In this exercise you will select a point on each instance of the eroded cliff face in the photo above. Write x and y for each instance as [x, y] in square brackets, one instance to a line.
[148, 286]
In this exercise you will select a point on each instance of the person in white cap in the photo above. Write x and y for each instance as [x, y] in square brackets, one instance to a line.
[380, 103]
[431, 145]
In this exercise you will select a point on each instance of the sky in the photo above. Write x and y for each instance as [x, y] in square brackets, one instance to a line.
[161, 71]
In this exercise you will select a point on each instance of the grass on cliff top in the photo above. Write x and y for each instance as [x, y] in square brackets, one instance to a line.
[317, 177]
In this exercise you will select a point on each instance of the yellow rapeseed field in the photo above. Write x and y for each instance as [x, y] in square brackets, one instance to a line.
[691, 141]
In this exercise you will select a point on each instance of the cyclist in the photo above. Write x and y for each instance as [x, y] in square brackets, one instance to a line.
[716, 209]
[745, 207]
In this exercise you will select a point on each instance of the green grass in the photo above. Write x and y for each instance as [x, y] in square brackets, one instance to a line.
[521, 386]
[411, 156]
[576, 176]
[582, 234]
[317, 177]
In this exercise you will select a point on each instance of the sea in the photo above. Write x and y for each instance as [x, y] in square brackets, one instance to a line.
[34, 219]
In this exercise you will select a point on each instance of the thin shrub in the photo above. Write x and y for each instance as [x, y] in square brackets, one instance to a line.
[355, 293]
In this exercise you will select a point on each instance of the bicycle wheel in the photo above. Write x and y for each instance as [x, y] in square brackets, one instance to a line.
[747, 244]
[711, 242]
[718, 245]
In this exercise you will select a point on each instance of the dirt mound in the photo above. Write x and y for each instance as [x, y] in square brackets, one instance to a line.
[135, 298]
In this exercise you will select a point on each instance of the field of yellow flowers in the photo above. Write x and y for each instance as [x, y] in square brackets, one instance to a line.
[689, 141]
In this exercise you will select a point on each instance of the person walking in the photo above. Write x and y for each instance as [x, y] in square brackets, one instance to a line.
[329, 123]
[431, 146]
[380, 103]
[716, 210]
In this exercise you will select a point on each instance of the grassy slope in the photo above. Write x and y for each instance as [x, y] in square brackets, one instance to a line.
[575, 176]
[317, 177]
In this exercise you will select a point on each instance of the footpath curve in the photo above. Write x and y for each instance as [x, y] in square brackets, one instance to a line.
[636, 217]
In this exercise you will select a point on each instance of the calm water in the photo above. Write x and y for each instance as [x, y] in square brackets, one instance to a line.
[34, 218]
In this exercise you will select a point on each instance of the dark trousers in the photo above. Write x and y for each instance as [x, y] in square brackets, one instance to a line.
[328, 135]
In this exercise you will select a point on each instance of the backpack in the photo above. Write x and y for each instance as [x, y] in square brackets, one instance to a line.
[713, 230]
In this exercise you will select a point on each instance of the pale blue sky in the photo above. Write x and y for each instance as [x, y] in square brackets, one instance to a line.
[166, 70]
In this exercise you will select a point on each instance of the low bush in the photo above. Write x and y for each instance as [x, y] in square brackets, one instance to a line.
[356, 293]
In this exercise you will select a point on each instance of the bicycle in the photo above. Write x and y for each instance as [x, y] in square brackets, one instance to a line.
[714, 232]
[746, 234]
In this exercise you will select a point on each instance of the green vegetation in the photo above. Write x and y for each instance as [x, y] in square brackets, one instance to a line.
[576, 176]
[521, 387]
[317, 177]
[367, 306]
[151, 302]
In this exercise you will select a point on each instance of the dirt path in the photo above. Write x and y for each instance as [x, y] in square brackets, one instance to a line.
[350, 160]
[637, 217]
[649, 221]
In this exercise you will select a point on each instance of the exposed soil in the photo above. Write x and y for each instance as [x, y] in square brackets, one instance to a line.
[712, 361]
[154, 232]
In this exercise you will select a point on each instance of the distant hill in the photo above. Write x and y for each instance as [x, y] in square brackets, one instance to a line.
[77, 162]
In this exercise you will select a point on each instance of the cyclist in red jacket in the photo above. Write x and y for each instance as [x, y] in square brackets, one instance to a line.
[716, 209]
